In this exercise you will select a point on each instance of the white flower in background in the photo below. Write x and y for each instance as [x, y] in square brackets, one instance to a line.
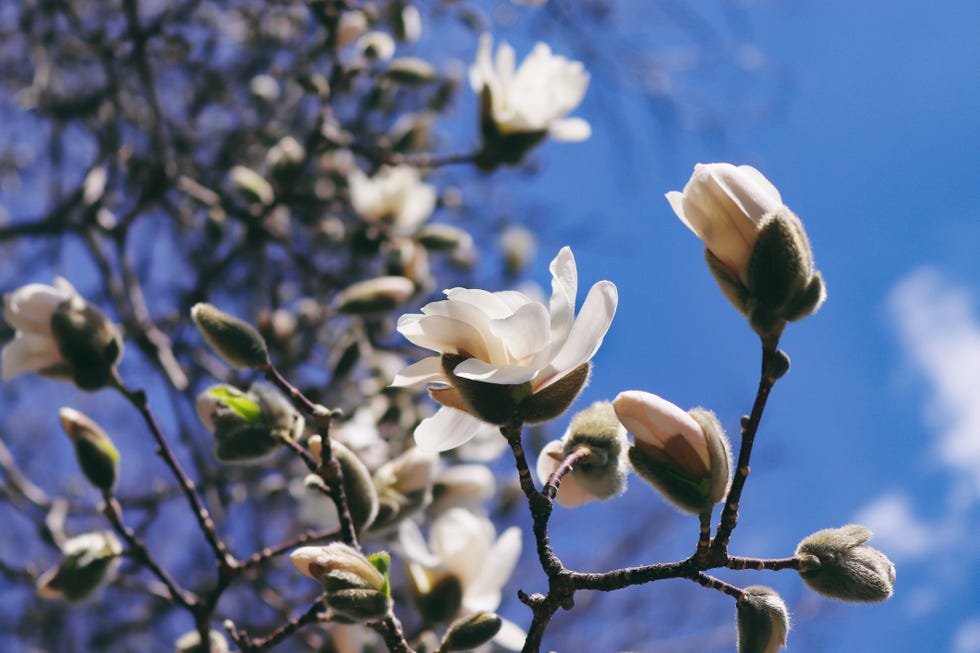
[503, 339]
[60, 335]
[29, 310]
[396, 195]
[724, 205]
[463, 486]
[464, 548]
[536, 96]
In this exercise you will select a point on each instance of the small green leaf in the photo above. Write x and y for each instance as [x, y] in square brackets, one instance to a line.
[382, 562]
[244, 407]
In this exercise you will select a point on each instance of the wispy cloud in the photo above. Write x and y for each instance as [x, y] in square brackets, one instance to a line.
[896, 529]
[939, 331]
[967, 637]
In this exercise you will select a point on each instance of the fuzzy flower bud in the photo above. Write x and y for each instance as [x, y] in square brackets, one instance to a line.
[596, 435]
[60, 335]
[360, 605]
[236, 341]
[838, 565]
[89, 560]
[762, 619]
[362, 497]
[375, 295]
[247, 426]
[685, 455]
[470, 632]
[338, 566]
[97, 456]
[756, 248]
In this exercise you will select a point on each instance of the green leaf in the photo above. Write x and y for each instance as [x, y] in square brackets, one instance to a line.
[382, 562]
[244, 407]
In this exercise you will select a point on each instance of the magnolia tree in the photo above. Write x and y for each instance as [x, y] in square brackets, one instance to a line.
[278, 480]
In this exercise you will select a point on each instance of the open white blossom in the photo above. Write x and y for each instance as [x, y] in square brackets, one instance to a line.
[724, 205]
[536, 96]
[464, 547]
[396, 195]
[506, 339]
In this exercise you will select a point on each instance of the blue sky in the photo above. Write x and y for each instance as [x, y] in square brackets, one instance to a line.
[875, 145]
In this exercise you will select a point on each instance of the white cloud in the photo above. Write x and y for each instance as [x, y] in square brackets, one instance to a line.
[940, 332]
[896, 529]
[967, 637]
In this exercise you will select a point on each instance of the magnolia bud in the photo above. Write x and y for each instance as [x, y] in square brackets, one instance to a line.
[442, 237]
[762, 620]
[469, 632]
[190, 642]
[838, 565]
[237, 342]
[362, 498]
[404, 486]
[375, 295]
[338, 566]
[89, 560]
[97, 456]
[247, 426]
[600, 473]
[360, 605]
[411, 71]
[686, 456]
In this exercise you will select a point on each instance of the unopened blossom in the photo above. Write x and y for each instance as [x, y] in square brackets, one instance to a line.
[396, 196]
[757, 249]
[88, 561]
[500, 354]
[724, 205]
[837, 563]
[59, 334]
[762, 620]
[684, 454]
[533, 97]
[465, 565]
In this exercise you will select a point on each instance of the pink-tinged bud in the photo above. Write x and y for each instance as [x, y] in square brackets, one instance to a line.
[685, 455]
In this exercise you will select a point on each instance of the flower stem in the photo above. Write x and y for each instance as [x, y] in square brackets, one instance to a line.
[750, 425]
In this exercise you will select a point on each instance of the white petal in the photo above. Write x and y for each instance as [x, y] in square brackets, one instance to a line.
[412, 545]
[427, 370]
[445, 430]
[546, 463]
[570, 130]
[463, 542]
[510, 636]
[586, 335]
[484, 591]
[564, 288]
[513, 299]
[30, 307]
[477, 370]
[571, 494]
[485, 446]
[443, 334]
[525, 333]
[490, 304]
[28, 352]
[416, 207]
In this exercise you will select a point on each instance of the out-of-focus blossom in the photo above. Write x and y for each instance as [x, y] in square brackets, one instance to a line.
[533, 97]
[395, 196]
[502, 354]
[60, 335]
[88, 561]
[376, 45]
[463, 568]
[463, 486]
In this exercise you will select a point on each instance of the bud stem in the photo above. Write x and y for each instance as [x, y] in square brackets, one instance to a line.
[729, 514]
[774, 564]
[551, 487]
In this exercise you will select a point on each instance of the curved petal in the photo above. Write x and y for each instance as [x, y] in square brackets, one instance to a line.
[412, 545]
[547, 462]
[28, 352]
[29, 308]
[586, 335]
[443, 334]
[447, 429]
[417, 206]
[489, 303]
[427, 370]
[462, 541]
[510, 636]
[564, 288]
[477, 370]
[525, 333]
[483, 593]
[571, 494]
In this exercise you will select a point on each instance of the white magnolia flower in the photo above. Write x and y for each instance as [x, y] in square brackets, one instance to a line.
[723, 204]
[29, 310]
[505, 338]
[60, 335]
[537, 95]
[464, 547]
[396, 195]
